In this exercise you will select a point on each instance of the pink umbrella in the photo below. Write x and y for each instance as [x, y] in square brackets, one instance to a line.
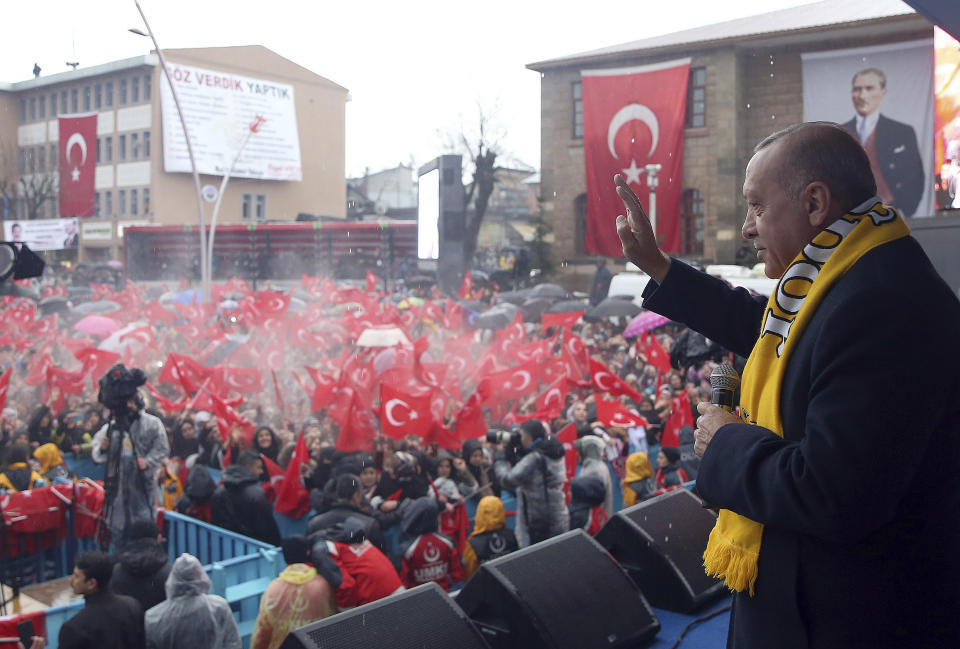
[97, 325]
[643, 323]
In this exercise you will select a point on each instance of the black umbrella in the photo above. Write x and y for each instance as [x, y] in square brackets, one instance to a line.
[479, 276]
[568, 306]
[497, 317]
[54, 304]
[534, 307]
[548, 290]
[513, 297]
[101, 306]
[474, 306]
[613, 307]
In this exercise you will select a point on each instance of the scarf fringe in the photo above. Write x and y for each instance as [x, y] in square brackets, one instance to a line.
[735, 564]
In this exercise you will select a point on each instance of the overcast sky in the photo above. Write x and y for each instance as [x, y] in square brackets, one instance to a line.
[413, 69]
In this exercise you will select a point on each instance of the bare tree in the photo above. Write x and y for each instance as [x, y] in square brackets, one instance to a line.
[35, 190]
[24, 181]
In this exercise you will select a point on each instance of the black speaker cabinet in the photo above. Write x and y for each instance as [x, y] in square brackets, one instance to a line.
[565, 592]
[660, 543]
[424, 617]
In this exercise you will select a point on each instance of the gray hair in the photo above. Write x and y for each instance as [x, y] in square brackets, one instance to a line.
[877, 71]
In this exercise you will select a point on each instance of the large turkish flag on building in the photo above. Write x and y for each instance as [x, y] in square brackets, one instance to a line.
[78, 164]
[633, 117]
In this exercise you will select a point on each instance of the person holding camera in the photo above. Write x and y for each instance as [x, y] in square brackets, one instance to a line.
[133, 444]
[532, 465]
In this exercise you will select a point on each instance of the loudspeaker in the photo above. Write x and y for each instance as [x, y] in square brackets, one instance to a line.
[660, 543]
[565, 592]
[424, 617]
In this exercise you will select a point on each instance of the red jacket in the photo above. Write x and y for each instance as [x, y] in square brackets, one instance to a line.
[367, 573]
[455, 526]
[431, 557]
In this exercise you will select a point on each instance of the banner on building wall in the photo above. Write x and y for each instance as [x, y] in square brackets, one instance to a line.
[633, 117]
[946, 125]
[219, 108]
[883, 95]
[43, 234]
[78, 164]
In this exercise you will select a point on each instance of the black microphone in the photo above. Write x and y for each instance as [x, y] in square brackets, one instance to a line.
[724, 380]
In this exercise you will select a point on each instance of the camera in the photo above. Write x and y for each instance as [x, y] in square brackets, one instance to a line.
[119, 385]
[508, 437]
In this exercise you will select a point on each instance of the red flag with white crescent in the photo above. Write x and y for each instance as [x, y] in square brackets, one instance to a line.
[515, 382]
[552, 399]
[633, 117]
[403, 414]
[605, 381]
[615, 414]
[564, 320]
[466, 286]
[372, 280]
[293, 499]
[78, 163]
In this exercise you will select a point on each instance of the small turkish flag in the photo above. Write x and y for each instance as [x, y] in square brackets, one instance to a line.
[466, 286]
[372, 281]
[78, 162]
[564, 320]
[613, 413]
[402, 414]
[293, 499]
[606, 381]
[4, 386]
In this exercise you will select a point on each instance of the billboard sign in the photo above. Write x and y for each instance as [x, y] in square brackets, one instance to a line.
[43, 234]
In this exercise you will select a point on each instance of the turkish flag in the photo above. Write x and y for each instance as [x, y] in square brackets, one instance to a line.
[606, 381]
[550, 402]
[658, 356]
[466, 286]
[293, 499]
[372, 280]
[565, 320]
[4, 386]
[403, 414]
[469, 422]
[633, 117]
[680, 415]
[567, 436]
[78, 163]
[613, 413]
[515, 382]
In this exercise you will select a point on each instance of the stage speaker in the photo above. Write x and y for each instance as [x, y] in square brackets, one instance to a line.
[424, 617]
[565, 592]
[660, 544]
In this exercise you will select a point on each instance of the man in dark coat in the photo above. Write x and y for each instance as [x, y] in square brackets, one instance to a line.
[350, 503]
[241, 505]
[891, 146]
[142, 567]
[858, 546]
[601, 282]
[107, 621]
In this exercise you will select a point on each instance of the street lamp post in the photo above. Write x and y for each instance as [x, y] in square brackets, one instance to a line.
[204, 267]
[652, 182]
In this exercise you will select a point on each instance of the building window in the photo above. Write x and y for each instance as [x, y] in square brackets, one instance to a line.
[99, 146]
[146, 144]
[146, 201]
[134, 146]
[23, 110]
[122, 92]
[108, 203]
[53, 104]
[54, 160]
[135, 90]
[577, 109]
[121, 148]
[691, 220]
[41, 158]
[96, 203]
[108, 149]
[133, 202]
[63, 102]
[108, 94]
[697, 98]
[33, 109]
[86, 99]
[245, 207]
[122, 202]
[580, 224]
[261, 207]
[97, 96]
[74, 100]
[42, 106]
[146, 87]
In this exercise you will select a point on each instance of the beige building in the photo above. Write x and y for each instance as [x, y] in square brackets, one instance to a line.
[132, 186]
[745, 83]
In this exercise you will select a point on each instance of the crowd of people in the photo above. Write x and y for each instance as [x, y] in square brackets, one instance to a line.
[386, 513]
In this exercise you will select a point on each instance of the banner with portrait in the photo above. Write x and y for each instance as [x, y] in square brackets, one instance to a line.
[883, 95]
[43, 234]
[946, 125]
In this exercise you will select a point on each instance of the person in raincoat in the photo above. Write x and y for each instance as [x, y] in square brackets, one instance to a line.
[191, 616]
[52, 467]
[638, 485]
[490, 538]
[590, 449]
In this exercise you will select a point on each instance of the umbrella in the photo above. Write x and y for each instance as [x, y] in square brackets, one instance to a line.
[297, 305]
[612, 307]
[534, 306]
[643, 323]
[101, 306]
[54, 304]
[568, 306]
[479, 276]
[472, 305]
[548, 290]
[80, 291]
[97, 325]
[382, 337]
[497, 317]
[513, 297]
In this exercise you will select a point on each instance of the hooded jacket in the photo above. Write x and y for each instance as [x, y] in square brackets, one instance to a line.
[538, 479]
[190, 616]
[586, 500]
[638, 484]
[240, 505]
[197, 493]
[429, 556]
[590, 448]
[490, 538]
[141, 572]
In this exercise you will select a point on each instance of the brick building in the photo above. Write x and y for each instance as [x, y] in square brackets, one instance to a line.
[132, 185]
[745, 83]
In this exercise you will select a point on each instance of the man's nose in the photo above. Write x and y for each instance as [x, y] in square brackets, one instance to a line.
[748, 230]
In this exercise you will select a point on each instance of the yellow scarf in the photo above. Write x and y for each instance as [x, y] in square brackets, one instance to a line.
[734, 545]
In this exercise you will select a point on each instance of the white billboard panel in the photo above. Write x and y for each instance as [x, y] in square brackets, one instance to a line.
[42, 234]
[219, 108]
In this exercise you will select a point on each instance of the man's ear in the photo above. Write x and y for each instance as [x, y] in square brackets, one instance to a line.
[817, 200]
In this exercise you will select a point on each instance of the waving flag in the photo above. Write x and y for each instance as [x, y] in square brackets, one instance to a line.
[606, 381]
[78, 162]
[293, 499]
[402, 414]
[614, 414]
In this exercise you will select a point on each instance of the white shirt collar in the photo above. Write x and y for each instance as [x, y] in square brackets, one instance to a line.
[871, 119]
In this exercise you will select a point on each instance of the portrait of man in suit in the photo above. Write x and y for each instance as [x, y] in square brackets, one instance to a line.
[70, 230]
[891, 146]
